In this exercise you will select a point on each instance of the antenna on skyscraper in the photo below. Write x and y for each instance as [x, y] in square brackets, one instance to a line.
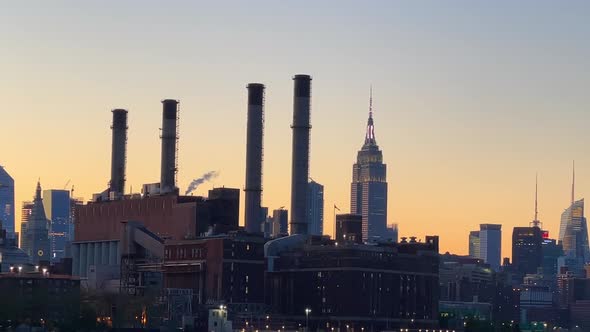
[536, 222]
[371, 101]
[573, 179]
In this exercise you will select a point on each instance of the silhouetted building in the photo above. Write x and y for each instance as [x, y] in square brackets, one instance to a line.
[490, 241]
[474, 244]
[227, 269]
[223, 210]
[10, 255]
[37, 235]
[551, 253]
[370, 287]
[315, 205]
[392, 233]
[40, 297]
[349, 228]
[280, 222]
[369, 185]
[57, 209]
[7, 202]
[527, 254]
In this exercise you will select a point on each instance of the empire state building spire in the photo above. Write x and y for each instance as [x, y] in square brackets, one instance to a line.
[370, 135]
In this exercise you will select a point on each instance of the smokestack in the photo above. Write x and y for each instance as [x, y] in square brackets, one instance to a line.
[300, 162]
[254, 137]
[119, 152]
[169, 138]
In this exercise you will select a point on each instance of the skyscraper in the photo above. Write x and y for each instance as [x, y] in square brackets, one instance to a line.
[573, 235]
[36, 237]
[368, 195]
[25, 216]
[315, 206]
[7, 202]
[57, 209]
[490, 241]
[527, 252]
[474, 244]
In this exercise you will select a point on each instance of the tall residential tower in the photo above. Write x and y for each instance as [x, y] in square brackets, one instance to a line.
[368, 195]
[315, 206]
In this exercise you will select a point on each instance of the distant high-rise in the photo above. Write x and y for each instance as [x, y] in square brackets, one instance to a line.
[474, 244]
[527, 252]
[315, 206]
[392, 232]
[25, 216]
[37, 235]
[573, 235]
[349, 228]
[280, 222]
[368, 195]
[57, 209]
[7, 201]
[490, 240]
[551, 253]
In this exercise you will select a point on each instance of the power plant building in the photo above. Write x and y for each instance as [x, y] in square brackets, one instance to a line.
[371, 287]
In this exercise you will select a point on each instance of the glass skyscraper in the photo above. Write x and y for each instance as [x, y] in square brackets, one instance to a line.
[490, 244]
[315, 206]
[474, 244]
[7, 201]
[369, 186]
[573, 236]
[57, 209]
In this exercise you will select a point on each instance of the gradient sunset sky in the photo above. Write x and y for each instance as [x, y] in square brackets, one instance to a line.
[471, 99]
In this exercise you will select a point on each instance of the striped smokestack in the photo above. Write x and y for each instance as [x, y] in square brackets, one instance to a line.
[300, 162]
[119, 152]
[254, 148]
[169, 138]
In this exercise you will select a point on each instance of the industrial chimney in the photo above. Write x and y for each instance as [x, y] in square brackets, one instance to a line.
[119, 153]
[169, 138]
[300, 162]
[254, 138]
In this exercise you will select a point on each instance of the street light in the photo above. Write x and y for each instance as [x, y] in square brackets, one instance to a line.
[307, 312]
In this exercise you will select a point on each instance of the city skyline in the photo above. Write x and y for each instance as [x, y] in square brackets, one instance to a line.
[436, 157]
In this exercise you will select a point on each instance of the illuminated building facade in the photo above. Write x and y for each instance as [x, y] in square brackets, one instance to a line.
[369, 186]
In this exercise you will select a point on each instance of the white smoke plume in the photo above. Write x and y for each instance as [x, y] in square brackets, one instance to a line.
[199, 181]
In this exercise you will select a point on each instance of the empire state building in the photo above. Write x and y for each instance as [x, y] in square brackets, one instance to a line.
[368, 195]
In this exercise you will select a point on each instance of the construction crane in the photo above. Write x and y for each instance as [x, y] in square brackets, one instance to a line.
[66, 185]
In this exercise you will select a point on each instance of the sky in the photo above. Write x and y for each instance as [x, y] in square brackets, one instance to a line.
[471, 99]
